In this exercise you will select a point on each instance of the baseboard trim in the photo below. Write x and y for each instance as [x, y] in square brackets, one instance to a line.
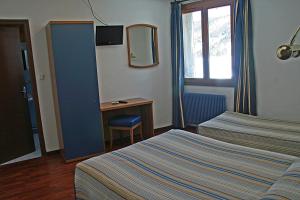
[50, 153]
[161, 130]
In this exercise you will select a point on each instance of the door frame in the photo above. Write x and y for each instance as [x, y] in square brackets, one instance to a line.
[23, 25]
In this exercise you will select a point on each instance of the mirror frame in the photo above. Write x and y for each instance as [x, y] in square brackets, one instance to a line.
[155, 42]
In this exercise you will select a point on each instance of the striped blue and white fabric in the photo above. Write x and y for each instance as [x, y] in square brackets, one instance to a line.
[177, 65]
[244, 74]
[181, 165]
[256, 132]
[287, 187]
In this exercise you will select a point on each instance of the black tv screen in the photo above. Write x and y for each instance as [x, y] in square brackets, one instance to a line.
[109, 35]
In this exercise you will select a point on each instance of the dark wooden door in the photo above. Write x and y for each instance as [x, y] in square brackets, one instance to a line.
[16, 138]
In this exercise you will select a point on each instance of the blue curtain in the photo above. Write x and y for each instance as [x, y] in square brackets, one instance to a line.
[245, 83]
[177, 64]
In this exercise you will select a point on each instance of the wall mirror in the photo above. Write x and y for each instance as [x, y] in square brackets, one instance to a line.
[142, 45]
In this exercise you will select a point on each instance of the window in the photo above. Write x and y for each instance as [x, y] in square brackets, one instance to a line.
[208, 42]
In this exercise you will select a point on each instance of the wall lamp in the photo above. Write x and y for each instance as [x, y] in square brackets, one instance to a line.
[287, 51]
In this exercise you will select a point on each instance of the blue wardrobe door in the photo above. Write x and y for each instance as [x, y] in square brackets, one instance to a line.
[77, 89]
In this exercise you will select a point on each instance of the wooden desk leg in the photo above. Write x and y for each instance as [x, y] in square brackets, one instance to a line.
[151, 126]
[141, 131]
[106, 130]
[147, 120]
[111, 137]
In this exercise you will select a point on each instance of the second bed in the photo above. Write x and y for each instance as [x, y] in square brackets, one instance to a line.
[256, 132]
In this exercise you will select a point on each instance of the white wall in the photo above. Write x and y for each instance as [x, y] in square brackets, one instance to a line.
[278, 93]
[117, 80]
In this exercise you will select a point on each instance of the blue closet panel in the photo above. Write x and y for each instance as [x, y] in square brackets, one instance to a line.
[75, 71]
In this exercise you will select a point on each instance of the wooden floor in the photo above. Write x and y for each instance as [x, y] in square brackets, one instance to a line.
[43, 178]
[46, 178]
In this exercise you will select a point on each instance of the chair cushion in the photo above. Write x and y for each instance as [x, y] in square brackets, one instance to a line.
[125, 120]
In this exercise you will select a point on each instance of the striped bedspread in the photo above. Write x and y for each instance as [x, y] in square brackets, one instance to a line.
[182, 165]
[273, 135]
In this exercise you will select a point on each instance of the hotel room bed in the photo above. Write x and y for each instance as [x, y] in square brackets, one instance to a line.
[183, 165]
[273, 135]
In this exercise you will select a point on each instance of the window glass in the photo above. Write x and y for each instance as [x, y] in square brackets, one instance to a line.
[192, 36]
[219, 26]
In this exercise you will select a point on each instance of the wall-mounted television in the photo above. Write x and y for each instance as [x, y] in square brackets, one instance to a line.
[109, 35]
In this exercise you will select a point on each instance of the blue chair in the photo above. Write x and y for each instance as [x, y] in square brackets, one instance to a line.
[125, 123]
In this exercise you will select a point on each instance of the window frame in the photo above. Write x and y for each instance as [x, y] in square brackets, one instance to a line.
[203, 6]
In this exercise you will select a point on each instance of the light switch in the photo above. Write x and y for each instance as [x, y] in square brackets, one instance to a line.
[42, 77]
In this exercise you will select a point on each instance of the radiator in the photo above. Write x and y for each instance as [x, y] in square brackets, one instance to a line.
[199, 108]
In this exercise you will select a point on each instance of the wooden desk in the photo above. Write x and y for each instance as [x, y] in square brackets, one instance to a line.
[137, 106]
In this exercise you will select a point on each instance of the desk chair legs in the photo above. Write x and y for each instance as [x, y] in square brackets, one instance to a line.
[130, 129]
